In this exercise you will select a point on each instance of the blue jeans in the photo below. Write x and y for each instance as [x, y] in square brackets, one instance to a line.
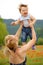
[26, 31]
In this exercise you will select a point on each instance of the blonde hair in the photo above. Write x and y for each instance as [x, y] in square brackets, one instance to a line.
[9, 42]
[22, 5]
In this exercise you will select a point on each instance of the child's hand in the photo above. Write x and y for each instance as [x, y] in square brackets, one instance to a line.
[12, 23]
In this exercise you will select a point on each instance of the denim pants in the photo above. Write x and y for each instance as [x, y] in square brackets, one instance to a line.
[26, 31]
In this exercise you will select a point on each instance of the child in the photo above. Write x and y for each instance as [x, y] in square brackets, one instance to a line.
[27, 20]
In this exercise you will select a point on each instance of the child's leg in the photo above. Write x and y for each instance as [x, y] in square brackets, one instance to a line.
[23, 38]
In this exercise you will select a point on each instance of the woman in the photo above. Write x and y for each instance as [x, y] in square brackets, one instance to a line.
[17, 55]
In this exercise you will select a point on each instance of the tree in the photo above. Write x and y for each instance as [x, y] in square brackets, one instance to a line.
[40, 41]
[3, 31]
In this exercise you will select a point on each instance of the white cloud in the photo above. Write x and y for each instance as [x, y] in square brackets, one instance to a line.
[9, 8]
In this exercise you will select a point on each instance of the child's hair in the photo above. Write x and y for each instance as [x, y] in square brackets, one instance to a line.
[22, 5]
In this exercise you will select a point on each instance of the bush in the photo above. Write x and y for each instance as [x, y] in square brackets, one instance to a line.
[40, 41]
[3, 31]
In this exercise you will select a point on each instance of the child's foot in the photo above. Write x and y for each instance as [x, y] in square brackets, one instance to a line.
[33, 47]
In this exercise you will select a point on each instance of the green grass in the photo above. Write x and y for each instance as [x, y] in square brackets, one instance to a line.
[33, 57]
[4, 62]
[35, 61]
[30, 61]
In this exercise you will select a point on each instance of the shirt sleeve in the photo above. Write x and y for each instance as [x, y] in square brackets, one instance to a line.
[28, 17]
[21, 18]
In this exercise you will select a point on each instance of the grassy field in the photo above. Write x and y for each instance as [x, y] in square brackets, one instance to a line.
[34, 57]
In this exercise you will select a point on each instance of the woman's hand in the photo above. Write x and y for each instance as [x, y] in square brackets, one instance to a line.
[31, 25]
[21, 23]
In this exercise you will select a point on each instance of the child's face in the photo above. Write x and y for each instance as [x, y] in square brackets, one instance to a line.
[24, 11]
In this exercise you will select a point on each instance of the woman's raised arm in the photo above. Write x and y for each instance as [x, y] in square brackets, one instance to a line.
[30, 43]
[18, 32]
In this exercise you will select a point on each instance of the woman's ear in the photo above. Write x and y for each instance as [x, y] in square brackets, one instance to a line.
[7, 42]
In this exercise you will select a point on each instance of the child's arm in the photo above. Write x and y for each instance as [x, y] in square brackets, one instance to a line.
[32, 20]
[15, 23]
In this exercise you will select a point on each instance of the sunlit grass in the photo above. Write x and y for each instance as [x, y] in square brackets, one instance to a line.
[34, 57]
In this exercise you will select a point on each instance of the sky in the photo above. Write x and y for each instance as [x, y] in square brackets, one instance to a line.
[9, 8]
